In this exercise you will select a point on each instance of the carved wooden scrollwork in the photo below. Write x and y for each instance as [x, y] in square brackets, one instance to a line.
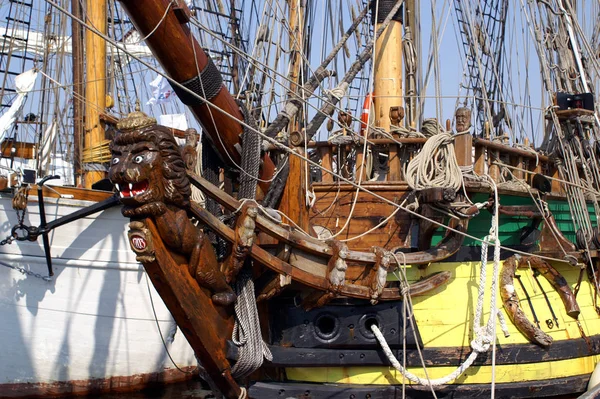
[336, 276]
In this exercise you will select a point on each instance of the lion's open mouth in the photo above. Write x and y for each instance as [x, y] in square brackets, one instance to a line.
[132, 189]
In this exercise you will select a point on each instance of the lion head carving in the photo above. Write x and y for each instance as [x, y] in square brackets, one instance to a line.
[148, 171]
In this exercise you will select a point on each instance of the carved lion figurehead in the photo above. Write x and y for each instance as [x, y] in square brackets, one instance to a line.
[148, 170]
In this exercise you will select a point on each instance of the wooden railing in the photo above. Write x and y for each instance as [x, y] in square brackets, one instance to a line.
[487, 158]
[327, 151]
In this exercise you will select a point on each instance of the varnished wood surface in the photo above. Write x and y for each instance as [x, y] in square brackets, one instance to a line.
[193, 310]
[183, 58]
[447, 247]
[316, 278]
[95, 81]
[22, 150]
[509, 150]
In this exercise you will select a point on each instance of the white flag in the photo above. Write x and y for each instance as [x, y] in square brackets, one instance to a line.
[23, 84]
[175, 121]
[161, 91]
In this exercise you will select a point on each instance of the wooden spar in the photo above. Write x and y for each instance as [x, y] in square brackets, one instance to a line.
[95, 87]
[387, 86]
[235, 78]
[293, 202]
[78, 93]
[182, 58]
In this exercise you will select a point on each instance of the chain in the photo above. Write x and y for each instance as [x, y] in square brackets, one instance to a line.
[7, 241]
[26, 272]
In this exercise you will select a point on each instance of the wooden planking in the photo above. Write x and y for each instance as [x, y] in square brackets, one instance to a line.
[308, 243]
[332, 209]
[22, 150]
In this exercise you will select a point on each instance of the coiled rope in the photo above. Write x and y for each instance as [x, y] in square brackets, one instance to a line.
[435, 165]
[246, 331]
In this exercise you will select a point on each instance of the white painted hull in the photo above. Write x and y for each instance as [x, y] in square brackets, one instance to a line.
[94, 320]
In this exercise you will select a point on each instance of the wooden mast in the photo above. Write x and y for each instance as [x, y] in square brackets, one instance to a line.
[78, 92]
[387, 86]
[95, 86]
[183, 59]
[293, 202]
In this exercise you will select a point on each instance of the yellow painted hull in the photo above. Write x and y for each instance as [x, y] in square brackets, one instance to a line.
[444, 318]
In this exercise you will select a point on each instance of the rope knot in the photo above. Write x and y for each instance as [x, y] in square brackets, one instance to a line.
[404, 289]
[482, 341]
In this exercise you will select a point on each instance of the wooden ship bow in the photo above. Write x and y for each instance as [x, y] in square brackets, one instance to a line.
[216, 265]
[288, 265]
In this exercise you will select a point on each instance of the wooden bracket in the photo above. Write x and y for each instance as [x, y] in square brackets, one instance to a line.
[245, 235]
[182, 12]
[378, 274]
[274, 287]
[336, 276]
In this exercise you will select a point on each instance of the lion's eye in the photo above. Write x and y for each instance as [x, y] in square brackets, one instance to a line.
[115, 161]
[138, 159]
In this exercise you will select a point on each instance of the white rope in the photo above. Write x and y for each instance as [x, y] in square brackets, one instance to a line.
[435, 165]
[246, 330]
[484, 334]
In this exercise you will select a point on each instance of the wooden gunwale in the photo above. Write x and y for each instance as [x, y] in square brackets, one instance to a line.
[321, 283]
[445, 249]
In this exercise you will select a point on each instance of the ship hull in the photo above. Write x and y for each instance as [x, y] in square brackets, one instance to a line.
[340, 356]
[93, 327]
[346, 358]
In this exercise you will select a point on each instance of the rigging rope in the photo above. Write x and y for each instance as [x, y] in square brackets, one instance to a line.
[251, 146]
[246, 331]
[281, 146]
[484, 334]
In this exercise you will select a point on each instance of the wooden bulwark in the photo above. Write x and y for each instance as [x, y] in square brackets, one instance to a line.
[447, 248]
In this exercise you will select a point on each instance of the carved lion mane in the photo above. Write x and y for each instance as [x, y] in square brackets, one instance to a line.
[176, 182]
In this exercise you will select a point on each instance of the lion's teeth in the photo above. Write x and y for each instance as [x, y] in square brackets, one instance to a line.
[130, 186]
[121, 194]
[117, 186]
